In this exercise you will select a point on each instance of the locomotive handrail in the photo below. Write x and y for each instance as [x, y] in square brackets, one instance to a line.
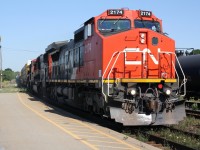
[125, 50]
[134, 50]
[105, 73]
[184, 79]
[176, 72]
[111, 70]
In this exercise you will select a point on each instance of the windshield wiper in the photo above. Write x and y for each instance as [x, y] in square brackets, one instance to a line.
[143, 23]
[103, 20]
[117, 20]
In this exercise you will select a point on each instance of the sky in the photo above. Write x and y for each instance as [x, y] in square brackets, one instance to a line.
[27, 27]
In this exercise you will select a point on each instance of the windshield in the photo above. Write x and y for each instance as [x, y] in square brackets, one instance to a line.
[113, 25]
[153, 25]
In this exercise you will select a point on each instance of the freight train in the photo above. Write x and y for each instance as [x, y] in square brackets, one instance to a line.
[119, 64]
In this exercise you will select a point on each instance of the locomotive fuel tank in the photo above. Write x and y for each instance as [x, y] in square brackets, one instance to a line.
[191, 67]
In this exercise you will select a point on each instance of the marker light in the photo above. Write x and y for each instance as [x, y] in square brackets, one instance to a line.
[142, 41]
[142, 35]
[160, 86]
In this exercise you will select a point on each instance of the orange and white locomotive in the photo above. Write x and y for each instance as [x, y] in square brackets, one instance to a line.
[119, 64]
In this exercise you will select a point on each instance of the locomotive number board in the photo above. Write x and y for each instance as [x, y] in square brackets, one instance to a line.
[115, 12]
[145, 13]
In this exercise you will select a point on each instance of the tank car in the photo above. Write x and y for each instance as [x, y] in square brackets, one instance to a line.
[191, 67]
[120, 64]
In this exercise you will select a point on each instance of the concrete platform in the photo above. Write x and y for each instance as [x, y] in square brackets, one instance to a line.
[28, 124]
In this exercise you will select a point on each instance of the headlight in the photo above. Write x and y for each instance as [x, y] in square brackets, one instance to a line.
[143, 38]
[167, 91]
[142, 41]
[133, 91]
[142, 35]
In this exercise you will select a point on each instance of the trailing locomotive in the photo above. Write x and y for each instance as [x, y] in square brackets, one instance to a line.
[23, 78]
[119, 64]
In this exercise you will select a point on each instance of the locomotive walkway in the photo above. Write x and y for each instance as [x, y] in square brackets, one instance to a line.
[28, 124]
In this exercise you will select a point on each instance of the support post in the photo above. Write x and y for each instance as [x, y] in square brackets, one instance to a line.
[1, 72]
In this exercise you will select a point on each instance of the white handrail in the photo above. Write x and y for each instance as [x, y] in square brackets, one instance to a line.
[134, 50]
[124, 51]
[111, 71]
[102, 88]
[176, 73]
[184, 79]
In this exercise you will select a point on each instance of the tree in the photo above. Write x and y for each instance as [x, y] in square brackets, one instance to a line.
[195, 51]
[8, 74]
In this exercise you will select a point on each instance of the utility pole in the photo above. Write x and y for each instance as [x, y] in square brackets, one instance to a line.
[0, 64]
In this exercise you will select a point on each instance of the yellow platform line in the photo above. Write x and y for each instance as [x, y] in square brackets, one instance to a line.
[58, 126]
[88, 132]
[113, 147]
[102, 141]
[93, 136]
[105, 134]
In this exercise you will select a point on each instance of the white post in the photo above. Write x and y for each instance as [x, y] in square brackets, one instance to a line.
[0, 63]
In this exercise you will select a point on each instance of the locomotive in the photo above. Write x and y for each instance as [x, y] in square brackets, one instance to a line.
[119, 64]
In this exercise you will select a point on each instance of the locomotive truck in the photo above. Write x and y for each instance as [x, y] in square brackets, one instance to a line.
[119, 64]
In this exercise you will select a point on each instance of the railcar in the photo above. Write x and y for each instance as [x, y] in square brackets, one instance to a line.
[23, 81]
[119, 64]
[191, 67]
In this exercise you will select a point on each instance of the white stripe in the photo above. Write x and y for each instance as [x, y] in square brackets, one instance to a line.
[133, 62]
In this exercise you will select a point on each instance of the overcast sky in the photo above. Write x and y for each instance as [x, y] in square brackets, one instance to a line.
[27, 27]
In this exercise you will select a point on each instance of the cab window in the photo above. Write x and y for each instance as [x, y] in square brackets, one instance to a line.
[149, 24]
[113, 25]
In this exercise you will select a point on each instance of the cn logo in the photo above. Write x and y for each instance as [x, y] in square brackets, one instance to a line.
[144, 51]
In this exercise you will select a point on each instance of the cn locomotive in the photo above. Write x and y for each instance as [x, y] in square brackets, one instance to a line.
[119, 64]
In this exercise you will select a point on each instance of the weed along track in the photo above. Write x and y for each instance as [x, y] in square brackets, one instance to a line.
[185, 135]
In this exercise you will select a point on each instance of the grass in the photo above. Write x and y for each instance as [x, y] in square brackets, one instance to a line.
[9, 87]
[178, 138]
[9, 90]
[142, 137]
[137, 135]
[189, 124]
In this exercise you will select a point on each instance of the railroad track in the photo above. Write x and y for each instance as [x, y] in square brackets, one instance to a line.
[156, 138]
[169, 143]
[193, 113]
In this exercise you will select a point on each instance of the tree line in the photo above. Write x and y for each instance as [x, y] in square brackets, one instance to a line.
[195, 52]
[8, 74]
